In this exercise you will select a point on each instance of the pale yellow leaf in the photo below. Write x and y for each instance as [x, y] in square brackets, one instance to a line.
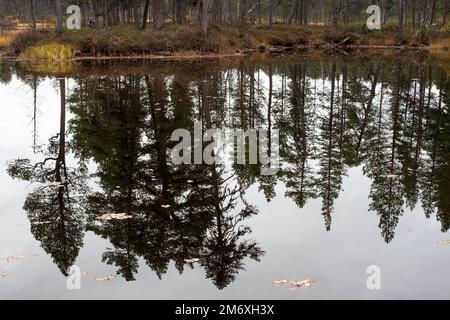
[105, 278]
[5, 274]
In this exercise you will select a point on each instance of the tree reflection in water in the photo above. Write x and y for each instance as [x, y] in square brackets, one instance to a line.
[388, 117]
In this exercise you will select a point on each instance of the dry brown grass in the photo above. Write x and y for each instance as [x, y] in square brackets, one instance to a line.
[5, 41]
[175, 40]
[440, 44]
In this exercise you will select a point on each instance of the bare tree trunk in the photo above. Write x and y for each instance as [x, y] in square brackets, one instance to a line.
[62, 127]
[305, 12]
[334, 13]
[242, 14]
[105, 14]
[400, 17]
[347, 8]
[180, 11]
[34, 113]
[33, 15]
[259, 12]
[300, 12]
[59, 26]
[83, 13]
[145, 15]
[271, 14]
[136, 17]
[204, 16]
[294, 11]
[433, 11]
[445, 11]
[92, 18]
[158, 14]
[230, 12]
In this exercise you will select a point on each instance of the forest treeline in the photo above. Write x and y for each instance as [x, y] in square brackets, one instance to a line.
[104, 13]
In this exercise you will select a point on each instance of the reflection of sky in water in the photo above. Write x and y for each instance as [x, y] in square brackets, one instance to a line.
[296, 243]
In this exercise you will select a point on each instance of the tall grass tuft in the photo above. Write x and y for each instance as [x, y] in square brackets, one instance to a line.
[52, 52]
[5, 41]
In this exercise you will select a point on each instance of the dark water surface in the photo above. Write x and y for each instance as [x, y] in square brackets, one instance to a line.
[364, 180]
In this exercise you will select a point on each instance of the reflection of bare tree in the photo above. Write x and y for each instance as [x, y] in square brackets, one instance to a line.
[55, 208]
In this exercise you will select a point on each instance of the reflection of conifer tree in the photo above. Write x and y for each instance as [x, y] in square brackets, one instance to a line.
[223, 249]
[172, 207]
[383, 167]
[267, 183]
[247, 114]
[55, 208]
[360, 114]
[141, 182]
[410, 144]
[298, 131]
[442, 166]
[432, 141]
[330, 164]
[248, 94]
[397, 130]
[119, 167]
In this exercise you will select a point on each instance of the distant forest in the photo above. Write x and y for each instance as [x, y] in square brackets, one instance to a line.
[157, 13]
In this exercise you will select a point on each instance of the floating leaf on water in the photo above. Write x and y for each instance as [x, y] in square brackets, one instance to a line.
[5, 274]
[56, 184]
[166, 206]
[303, 283]
[82, 274]
[193, 260]
[294, 284]
[278, 283]
[114, 216]
[444, 242]
[391, 176]
[16, 257]
[40, 223]
[105, 279]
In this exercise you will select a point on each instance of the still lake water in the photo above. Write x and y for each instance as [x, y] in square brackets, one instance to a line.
[364, 180]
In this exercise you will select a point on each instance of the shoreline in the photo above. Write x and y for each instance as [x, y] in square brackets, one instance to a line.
[186, 43]
[272, 51]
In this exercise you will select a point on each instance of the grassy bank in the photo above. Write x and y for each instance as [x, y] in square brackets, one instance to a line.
[173, 40]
